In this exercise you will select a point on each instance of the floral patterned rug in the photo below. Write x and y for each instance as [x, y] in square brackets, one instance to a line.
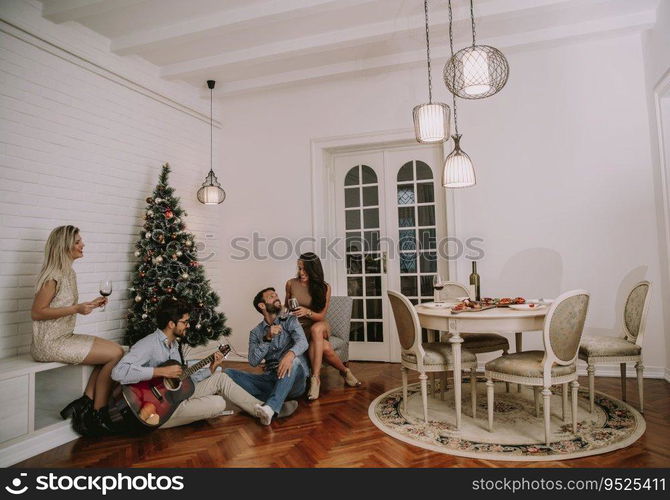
[517, 433]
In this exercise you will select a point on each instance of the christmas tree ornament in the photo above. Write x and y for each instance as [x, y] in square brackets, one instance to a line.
[150, 213]
[137, 253]
[159, 259]
[148, 235]
[138, 298]
[198, 326]
[179, 253]
[185, 276]
[159, 200]
[150, 200]
[188, 243]
[169, 214]
[144, 316]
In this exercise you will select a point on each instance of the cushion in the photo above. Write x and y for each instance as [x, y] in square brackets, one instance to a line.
[527, 364]
[438, 353]
[485, 340]
[607, 346]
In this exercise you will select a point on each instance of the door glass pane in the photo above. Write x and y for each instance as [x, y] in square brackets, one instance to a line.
[375, 331]
[352, 219]
[355, 287]
[352, 197]
[425, 192]
[354, 264]
[423, 171]
[356, 332]
[408, 286]
[407, 240]
[371, 242]
[406, 172]
[406, 217]
[427, 238]
[354, 242]
[371, 218]
[405, 194]
[370, 196]
[373, 286]
[373, 263]
[408, 263]
[373, 308]
[426, 215]
[368, 175]
[426, 286]
[428, 262]
[351, 179]
[357, 309]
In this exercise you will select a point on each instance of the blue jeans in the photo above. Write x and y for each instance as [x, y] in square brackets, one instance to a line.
[267, 387]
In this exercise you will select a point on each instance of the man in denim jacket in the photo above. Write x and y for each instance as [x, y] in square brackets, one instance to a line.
[281, 342]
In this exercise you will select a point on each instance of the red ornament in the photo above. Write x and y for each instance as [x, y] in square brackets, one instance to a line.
[169, 214]
[169, 290]
[142, 275]
[154, 299]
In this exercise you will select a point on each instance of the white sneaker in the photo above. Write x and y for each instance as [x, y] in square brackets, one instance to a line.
[264, 413]
[287, 409]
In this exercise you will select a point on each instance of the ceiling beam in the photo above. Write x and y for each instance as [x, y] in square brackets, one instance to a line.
[590, 29]
[60, 11]
[349, 37]
[247, 17]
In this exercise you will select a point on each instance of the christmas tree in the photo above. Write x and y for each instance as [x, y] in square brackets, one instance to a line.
[168, 269]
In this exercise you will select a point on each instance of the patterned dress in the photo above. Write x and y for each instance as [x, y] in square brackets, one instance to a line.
[54, 339]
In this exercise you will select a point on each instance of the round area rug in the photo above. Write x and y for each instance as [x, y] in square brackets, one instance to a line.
[517, 433]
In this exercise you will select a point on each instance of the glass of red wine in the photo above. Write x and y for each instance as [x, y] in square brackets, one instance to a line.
[293, 304]
[438, 285]
[105, 290]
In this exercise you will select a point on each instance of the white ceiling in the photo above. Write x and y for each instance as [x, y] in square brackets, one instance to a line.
[249, 45]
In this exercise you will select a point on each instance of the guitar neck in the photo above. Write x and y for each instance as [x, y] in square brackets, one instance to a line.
[194, 368]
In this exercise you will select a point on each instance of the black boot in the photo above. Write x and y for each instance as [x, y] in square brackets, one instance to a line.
[77, 404]
[92, 423]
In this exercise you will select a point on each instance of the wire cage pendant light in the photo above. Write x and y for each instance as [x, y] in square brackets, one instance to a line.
[431, 120]
[458, 171]
[211, 192]
[477, 71]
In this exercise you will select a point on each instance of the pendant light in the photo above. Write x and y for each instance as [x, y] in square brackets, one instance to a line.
[211, 192]
[431, 120]
[458, 171]
[477, 71]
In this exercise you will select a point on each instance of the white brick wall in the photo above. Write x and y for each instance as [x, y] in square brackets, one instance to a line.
[83, 145]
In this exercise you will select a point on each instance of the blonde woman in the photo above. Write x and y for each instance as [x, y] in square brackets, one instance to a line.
[54, 313]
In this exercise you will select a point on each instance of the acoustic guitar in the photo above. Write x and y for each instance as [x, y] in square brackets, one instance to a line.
[149, 404]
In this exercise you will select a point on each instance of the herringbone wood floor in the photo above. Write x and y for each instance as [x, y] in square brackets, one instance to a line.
[335, 431]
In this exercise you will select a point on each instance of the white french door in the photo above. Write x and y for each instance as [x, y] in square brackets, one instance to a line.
[389, 209]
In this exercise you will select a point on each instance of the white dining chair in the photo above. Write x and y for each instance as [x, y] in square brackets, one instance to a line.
[626, 348]
[557, 364]
[425, 358]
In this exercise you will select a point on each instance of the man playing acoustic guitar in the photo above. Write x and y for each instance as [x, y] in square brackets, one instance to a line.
[212, 389]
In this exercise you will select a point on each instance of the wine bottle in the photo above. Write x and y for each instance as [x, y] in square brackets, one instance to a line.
[474, 283]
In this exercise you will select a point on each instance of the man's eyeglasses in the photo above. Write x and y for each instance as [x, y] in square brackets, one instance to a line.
[183, 321]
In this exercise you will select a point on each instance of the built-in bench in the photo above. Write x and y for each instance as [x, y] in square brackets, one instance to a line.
[31, 397]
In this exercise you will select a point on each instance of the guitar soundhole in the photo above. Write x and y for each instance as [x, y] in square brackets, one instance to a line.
[172, 384]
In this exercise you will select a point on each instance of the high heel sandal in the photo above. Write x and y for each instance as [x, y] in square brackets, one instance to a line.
[314, 386]
[76, 405]
[349, 379]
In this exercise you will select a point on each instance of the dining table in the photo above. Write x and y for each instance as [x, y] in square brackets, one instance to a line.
[502, 320]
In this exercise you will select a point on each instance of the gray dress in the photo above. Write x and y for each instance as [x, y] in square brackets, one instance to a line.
[54, 339]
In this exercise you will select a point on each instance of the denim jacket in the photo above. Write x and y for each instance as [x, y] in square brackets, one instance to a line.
[291, 338]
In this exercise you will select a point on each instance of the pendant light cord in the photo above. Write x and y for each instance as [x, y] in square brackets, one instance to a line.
[451, 45]
[430, 81]
[472, 19]
[211, 132]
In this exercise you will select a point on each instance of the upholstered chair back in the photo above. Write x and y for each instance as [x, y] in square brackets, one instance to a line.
[635, 312]
[453, 290]
[564, 326]
[406, 320]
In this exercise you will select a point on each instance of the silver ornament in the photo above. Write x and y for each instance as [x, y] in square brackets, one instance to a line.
[158, 200]
[179, 253]
[138, 298]
[159, 259]
[137, 253]
[148, 235]
[185, 276]
[198, 326]
[144, 316]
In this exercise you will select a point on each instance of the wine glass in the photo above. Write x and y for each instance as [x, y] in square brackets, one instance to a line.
[438, 285]
[293, 304]
[105, 290]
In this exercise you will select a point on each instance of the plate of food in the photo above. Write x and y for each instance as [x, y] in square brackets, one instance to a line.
[470, 306]
[527, 307]
[507, 301]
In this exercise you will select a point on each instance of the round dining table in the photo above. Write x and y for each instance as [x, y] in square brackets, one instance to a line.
[501, 320]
